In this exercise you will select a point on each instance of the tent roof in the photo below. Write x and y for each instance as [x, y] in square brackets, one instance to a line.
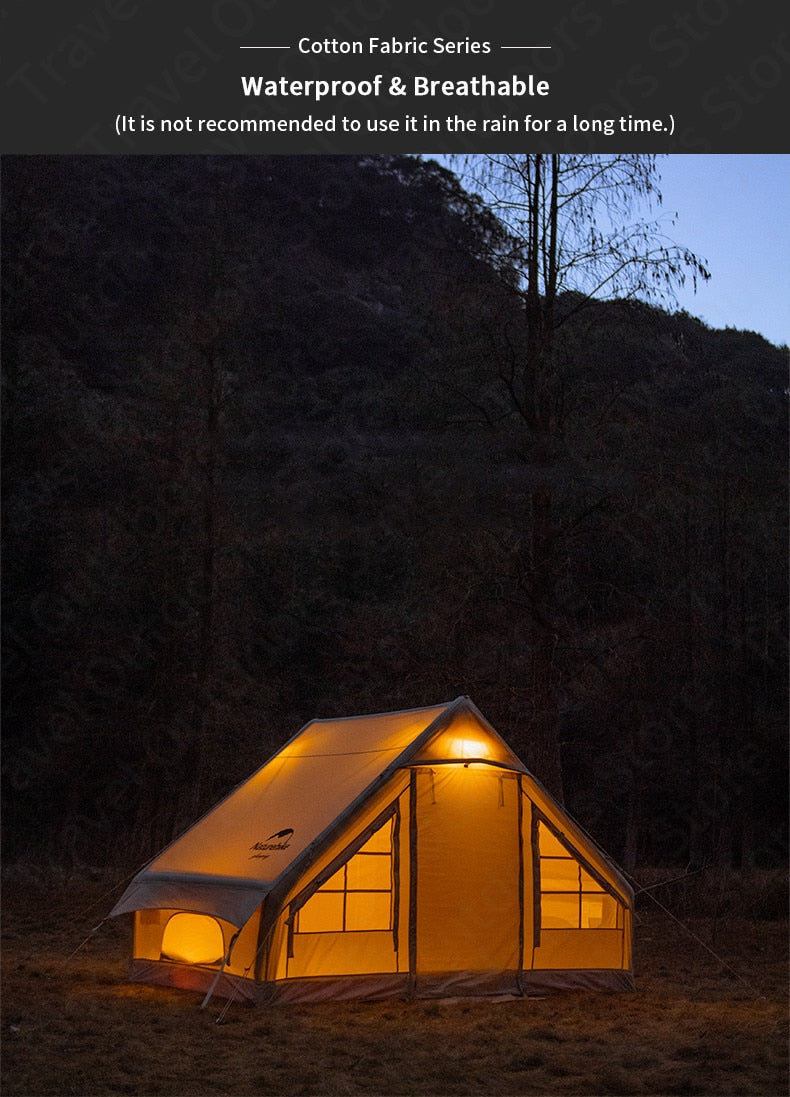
[273, 824]
[228, 861]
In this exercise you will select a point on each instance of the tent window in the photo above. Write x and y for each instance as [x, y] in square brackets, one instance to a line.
[193, 939]
[359, 896]
[570, 898]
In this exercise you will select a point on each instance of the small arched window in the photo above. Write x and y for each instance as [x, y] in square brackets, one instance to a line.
[193, 939]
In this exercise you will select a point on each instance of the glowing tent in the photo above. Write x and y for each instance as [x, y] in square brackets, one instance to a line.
[405, 853]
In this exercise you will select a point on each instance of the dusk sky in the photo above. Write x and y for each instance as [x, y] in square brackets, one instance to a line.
[735, 212]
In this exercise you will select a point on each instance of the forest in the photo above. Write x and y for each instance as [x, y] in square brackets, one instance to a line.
[261, 464]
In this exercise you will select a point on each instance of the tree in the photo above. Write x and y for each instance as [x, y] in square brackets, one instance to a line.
[576, 237]
[203, 372]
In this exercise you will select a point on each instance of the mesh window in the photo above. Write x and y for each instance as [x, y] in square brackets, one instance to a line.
[356, 897]
[570, 898]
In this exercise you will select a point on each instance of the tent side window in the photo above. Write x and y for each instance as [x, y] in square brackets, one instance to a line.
[570, 898]
[193, 939]
[358, 896]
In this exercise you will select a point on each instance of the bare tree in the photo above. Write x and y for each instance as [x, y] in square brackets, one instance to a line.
[579, 235]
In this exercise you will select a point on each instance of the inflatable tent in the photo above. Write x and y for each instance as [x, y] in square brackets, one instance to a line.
[404, 853]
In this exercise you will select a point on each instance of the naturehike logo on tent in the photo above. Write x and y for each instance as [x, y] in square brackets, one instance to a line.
[263, 849]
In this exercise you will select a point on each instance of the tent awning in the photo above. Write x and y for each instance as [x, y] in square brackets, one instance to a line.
[229, 897]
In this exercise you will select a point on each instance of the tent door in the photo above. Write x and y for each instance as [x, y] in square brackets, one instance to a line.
[466, 852]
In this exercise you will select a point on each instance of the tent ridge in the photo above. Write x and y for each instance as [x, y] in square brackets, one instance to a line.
[376, 715]
[339, 753]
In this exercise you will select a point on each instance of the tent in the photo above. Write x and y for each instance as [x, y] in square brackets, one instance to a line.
[403, 853]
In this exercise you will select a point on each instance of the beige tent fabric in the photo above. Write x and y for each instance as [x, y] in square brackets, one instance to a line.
[398, 853]
[229, 861]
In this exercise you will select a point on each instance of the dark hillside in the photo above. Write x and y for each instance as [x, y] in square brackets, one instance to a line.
[258, 468]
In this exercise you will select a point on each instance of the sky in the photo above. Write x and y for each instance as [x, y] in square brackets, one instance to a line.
[734, 211]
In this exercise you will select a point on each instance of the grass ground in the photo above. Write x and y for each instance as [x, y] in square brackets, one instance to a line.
[697, 1024]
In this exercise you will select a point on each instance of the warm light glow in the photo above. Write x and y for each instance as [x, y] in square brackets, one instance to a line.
[470, 748]
[193, 939]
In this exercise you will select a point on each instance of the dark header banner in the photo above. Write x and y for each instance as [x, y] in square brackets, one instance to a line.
[254, 76]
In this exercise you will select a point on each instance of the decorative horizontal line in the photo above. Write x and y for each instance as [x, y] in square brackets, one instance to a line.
[525, 47]
[264, 47]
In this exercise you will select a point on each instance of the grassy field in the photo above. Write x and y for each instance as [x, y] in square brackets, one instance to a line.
[697, 1024]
